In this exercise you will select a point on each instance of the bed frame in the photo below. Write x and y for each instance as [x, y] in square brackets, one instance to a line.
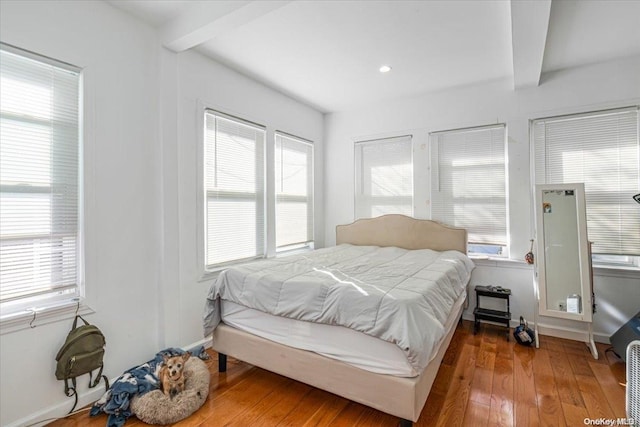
[398, 396]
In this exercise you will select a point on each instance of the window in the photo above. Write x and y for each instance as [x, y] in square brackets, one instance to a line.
[40, 245]
[468, 185]
[234, 190]
[600, 149]
[294, 192]
[384, 177]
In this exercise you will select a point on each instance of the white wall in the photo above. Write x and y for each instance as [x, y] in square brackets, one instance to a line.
[204, 83]
[140, 130]
[121, 193]
[583, 89]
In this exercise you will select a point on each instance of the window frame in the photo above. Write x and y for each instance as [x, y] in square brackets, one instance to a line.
[600, 262]
[309, 199]
[48, 306]
[485, 250]
[208, 271]
[359, 181]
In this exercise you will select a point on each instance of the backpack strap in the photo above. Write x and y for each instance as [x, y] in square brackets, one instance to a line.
[97, 380]
[71, 391]
[75, 321]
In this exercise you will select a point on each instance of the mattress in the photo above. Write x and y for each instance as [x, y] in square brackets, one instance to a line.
[396, 295]
[336, 342]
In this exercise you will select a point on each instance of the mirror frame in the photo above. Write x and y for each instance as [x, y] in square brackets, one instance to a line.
[584, 255]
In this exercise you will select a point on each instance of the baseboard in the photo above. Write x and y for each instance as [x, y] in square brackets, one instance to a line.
[557, 331]
[60, 410]
[205, 342]
[570, 333]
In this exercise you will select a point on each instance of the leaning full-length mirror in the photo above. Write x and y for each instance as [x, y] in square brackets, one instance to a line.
[564, 265]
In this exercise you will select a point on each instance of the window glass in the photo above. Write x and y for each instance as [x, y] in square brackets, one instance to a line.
[234, 189]
[468, 185]
[294, 192]
[601, 150]
[39, 182]
[384, 177]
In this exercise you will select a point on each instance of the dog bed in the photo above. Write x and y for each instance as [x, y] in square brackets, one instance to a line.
[157, 408]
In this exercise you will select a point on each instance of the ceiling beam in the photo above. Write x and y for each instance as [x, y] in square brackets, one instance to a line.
[205, 20]
[529, 25]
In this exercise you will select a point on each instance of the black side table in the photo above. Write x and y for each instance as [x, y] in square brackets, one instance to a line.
[498, 316]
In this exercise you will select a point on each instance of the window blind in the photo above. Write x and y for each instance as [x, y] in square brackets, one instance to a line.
[600, 149]
[39, 176]
[384, 177]
[294, 191]
[468, 182]
[234, 187]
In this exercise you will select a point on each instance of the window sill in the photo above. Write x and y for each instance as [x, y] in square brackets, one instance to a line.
[598, 270]
[210, 275]
[484, 261]
[56, 313]
[622, 272]
[213, 273]
[295, 251]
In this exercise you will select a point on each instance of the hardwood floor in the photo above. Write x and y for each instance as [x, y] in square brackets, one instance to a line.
[483, 381]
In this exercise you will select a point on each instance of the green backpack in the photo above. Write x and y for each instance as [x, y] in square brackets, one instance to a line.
[81, 353]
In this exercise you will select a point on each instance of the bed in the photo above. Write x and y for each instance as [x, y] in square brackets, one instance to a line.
[367, 360]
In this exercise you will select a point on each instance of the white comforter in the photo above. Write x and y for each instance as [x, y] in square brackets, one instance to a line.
[397, 295]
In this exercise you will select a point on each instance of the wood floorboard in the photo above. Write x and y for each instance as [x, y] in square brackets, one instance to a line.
[525, 414]
[484, 380]
[306, 408]
[596, 401]
[501, 410]
[580, 366]
[327, 412]
[565, 379]
[456, 400]
[432, 409]
[524, 388]
[476, 414]
[547, 398]
[274, 407]
[349, 416]
[610, 379]
[574, 415]
[481, 385]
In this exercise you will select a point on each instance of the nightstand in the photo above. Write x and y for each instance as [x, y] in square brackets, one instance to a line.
[497, 316]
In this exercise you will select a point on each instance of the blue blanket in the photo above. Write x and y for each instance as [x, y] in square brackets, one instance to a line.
[136, 381]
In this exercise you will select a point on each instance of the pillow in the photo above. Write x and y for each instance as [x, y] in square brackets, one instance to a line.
[155, 407]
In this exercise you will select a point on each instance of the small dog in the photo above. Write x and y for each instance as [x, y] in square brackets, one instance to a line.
[171, 374]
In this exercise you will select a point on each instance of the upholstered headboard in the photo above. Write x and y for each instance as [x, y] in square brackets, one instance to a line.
[404, 232]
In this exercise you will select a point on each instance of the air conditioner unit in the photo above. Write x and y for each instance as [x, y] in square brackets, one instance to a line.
[633, 381]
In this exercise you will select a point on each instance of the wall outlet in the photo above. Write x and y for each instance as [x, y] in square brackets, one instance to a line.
[562, 306]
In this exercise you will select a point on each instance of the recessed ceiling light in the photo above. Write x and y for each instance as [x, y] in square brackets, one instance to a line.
[385, 69]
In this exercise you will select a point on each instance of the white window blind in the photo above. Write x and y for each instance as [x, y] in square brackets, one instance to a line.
[468, 182]
[600, 149]
[39, 181]
[384, 177]
[294, 191]
[234, 189]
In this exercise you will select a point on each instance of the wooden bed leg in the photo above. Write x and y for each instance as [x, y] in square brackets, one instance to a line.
[222, 362]
[406, 423]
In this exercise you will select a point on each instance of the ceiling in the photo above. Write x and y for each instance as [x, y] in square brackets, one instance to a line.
[327, 53]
